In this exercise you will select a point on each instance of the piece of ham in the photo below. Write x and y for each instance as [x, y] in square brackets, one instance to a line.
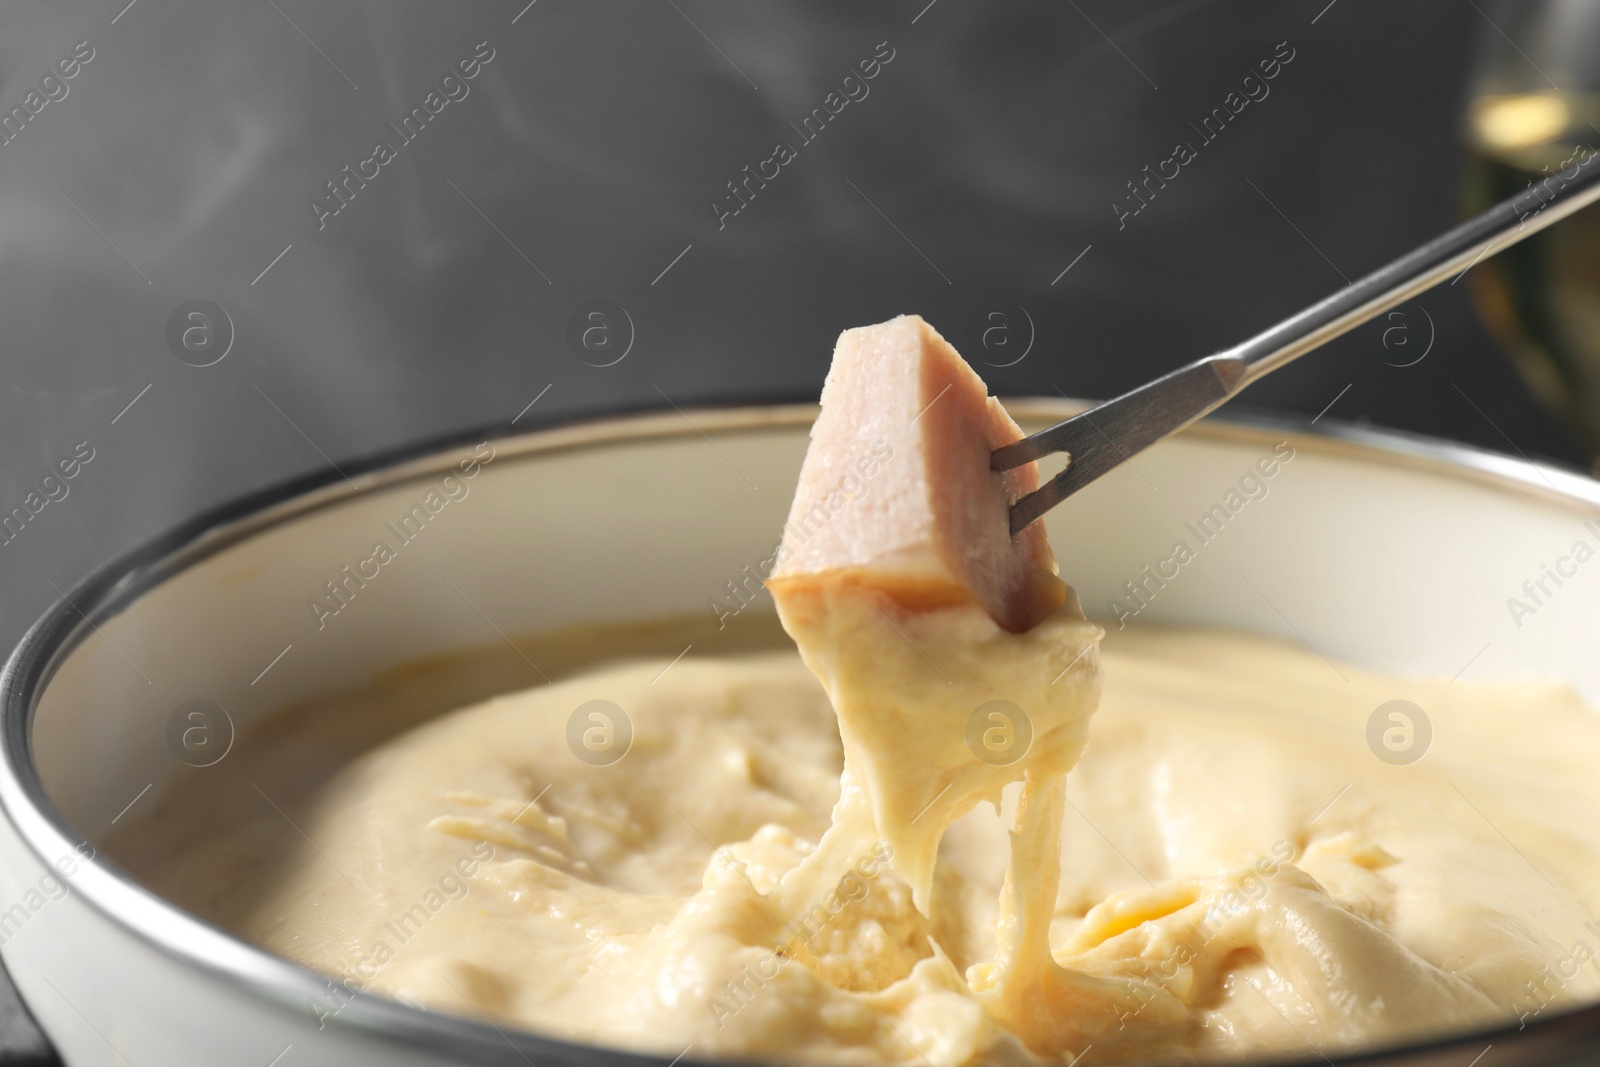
[930, 527]
[956, 661]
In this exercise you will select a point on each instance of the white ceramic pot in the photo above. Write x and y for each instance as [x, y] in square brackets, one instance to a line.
[1388, 552]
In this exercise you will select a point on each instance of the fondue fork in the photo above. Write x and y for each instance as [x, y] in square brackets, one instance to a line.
[1097, 440]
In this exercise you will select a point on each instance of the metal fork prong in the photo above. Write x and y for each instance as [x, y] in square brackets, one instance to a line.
[1103, 437]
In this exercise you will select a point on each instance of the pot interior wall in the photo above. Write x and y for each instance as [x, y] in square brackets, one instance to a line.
[1370, 561]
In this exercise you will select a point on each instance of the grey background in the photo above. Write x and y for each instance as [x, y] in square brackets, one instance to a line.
[585, 159]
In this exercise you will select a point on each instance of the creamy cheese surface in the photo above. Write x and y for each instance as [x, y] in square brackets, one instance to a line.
[1229, 869]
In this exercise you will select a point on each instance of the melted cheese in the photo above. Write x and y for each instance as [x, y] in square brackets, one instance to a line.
[1229, 871]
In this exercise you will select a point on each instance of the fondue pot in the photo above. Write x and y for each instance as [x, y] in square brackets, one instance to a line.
[1386, 551]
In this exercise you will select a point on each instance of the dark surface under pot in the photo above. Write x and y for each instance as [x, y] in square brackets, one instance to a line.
[21, 1043]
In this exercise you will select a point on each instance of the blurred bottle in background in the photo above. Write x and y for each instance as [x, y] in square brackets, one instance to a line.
[1534, 102]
